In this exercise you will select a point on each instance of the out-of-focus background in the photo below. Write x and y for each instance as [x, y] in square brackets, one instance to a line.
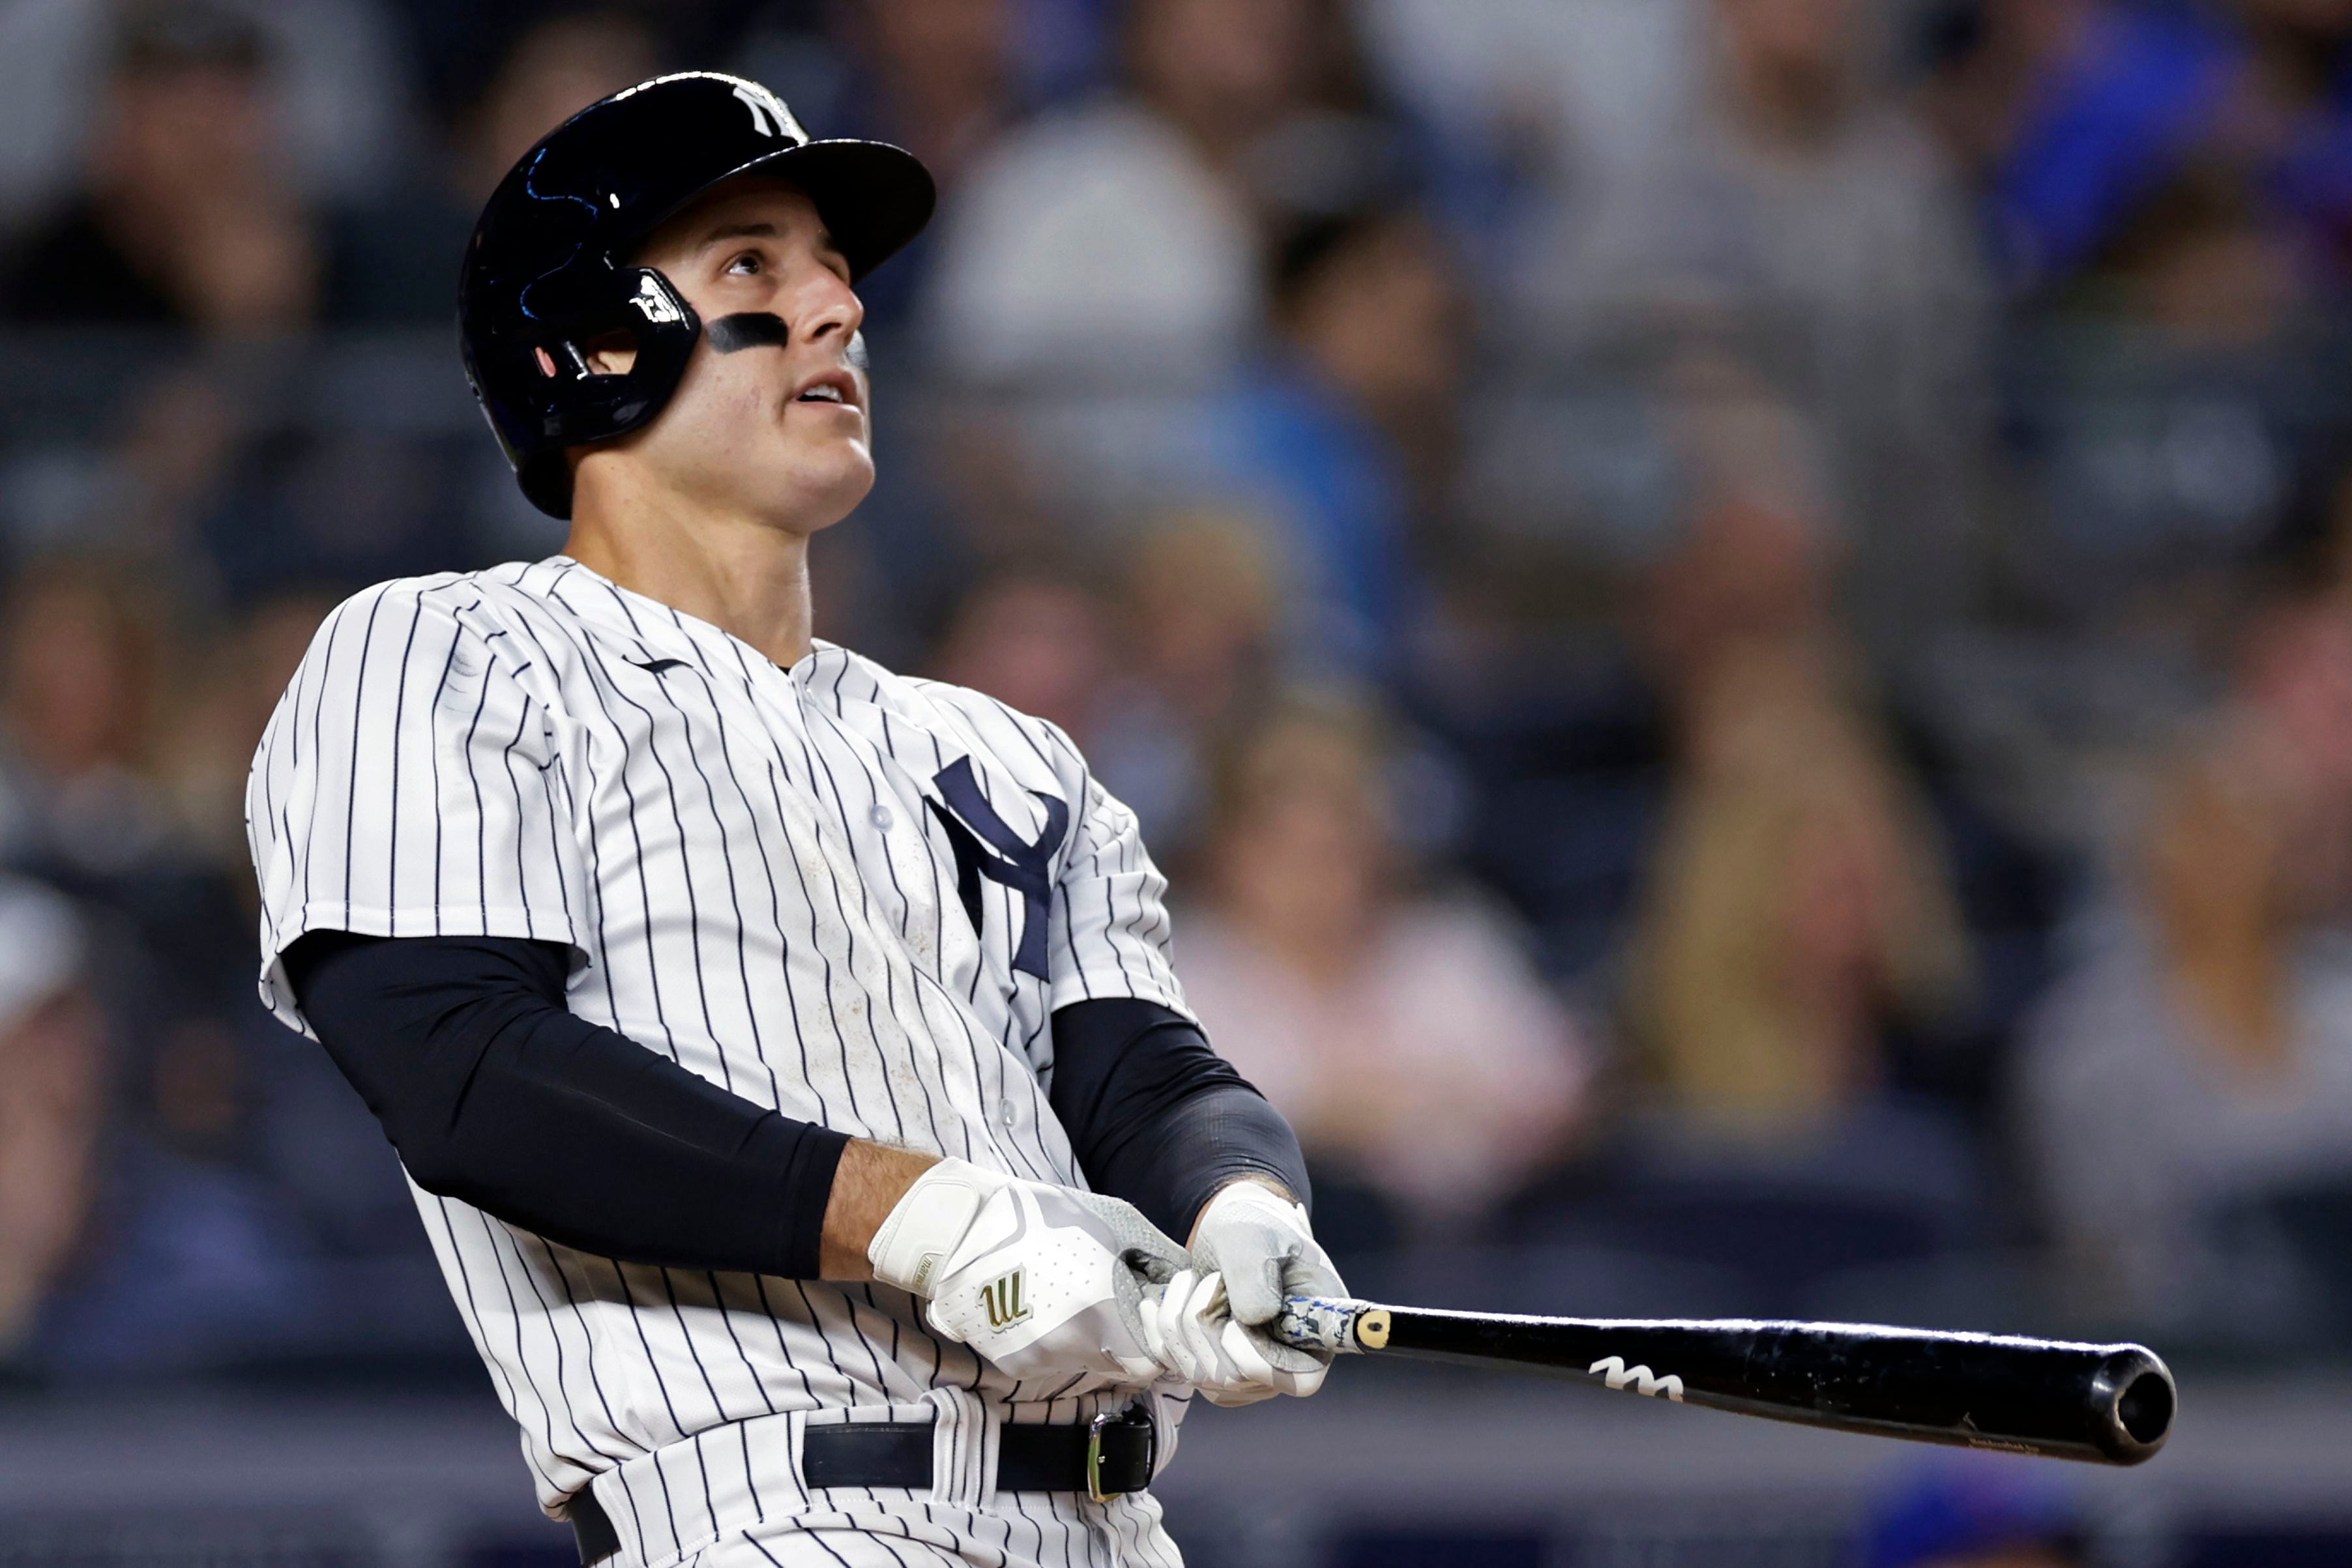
[1734, 618]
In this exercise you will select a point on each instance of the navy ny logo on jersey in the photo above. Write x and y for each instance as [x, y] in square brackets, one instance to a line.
[1016, 863]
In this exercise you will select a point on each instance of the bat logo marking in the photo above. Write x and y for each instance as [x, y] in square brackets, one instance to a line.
[1613, 1371]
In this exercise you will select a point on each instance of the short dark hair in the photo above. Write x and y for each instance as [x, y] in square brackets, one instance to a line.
[156, 35]
[1306, 251]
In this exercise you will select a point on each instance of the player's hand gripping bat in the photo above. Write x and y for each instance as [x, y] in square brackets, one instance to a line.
[2109, 1403]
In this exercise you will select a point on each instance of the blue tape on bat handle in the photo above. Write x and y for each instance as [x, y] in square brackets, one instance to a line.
[1339, 1324]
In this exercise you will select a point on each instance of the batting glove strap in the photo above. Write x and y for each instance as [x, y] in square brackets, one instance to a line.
[928, 1222]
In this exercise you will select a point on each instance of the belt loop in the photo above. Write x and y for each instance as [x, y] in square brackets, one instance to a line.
[964, 1448]
[1167, 1413]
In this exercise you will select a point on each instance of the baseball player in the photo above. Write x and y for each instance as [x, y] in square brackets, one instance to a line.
[784, 1053]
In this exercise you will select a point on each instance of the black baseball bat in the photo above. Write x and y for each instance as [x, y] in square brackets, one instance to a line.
[2106, 1404]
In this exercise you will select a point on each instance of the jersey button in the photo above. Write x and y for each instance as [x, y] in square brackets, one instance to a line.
[879, 816]
[1007, 1114]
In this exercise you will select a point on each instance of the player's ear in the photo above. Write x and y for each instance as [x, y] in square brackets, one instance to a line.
[610, 353]
[607, 355]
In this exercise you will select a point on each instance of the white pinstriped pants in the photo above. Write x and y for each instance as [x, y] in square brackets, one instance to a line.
[1121, 1534]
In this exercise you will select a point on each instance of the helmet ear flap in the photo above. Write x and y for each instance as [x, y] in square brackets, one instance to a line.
[603, 373]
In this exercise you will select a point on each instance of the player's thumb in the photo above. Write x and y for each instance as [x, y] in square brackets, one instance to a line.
[1254, 1291]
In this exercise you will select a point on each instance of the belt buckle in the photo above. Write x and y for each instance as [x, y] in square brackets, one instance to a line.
[1094, 1430]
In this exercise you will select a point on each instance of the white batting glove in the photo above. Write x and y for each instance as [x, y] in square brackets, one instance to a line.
[1189, 1328]
[1043, 1280]
[1251, 1247]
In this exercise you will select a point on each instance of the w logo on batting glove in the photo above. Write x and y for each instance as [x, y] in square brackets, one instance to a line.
[1003, 1301]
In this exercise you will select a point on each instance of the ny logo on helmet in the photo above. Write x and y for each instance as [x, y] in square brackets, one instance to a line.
[769, 115]
[1004, 1301]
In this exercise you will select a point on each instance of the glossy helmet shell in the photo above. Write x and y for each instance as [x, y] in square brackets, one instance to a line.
[548, 268]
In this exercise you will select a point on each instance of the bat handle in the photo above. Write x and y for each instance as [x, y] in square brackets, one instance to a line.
[1341, 1324]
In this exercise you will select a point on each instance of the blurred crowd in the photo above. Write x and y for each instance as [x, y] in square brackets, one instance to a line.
[1733, 617]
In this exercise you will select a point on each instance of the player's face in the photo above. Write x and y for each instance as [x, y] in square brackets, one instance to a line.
[778, 431]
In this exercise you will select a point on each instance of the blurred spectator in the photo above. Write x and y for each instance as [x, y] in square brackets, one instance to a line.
[2148, 108]
[1797, 969]
[941, 75]
[172, 432]
[83, 672]
[119, 1255]
[1989, 61]
[1799, 908]
[1346, 436]
[556, 68]
[2204, 1051]
[1756, 563]
[943, 78]
[2205, 263]
[1200, 614]
[189, 218]
[112, 1254]
[1123, 234]
[1403, 1033]
[202, 1196]
[183, 429]
[53, 1071]
[1805, 218]
[340, 85]
[1517, 93]
[1796, 188]
[1039, 640]
[208, 741]
[2169, 440]
[78, 671]
[397, 253]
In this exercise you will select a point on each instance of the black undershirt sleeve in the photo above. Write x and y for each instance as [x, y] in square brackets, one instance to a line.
[495, 1093]
[1157, 1117]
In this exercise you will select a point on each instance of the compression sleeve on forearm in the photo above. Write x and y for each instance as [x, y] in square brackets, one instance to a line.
[495, 1093]
[1156, 1116]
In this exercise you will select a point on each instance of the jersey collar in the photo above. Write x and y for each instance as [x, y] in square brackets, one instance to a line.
[666, 632]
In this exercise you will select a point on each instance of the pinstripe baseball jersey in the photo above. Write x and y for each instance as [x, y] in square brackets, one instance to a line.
[850, 895]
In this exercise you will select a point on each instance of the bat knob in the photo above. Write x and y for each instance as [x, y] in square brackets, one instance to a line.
[2133, 1399]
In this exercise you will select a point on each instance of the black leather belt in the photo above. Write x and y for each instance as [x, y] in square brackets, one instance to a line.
[1106, 1457]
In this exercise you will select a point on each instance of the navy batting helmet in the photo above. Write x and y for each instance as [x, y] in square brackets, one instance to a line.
[548, 269]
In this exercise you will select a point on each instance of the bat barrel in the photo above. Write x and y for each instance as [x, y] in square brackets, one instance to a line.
[2110, 1404]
